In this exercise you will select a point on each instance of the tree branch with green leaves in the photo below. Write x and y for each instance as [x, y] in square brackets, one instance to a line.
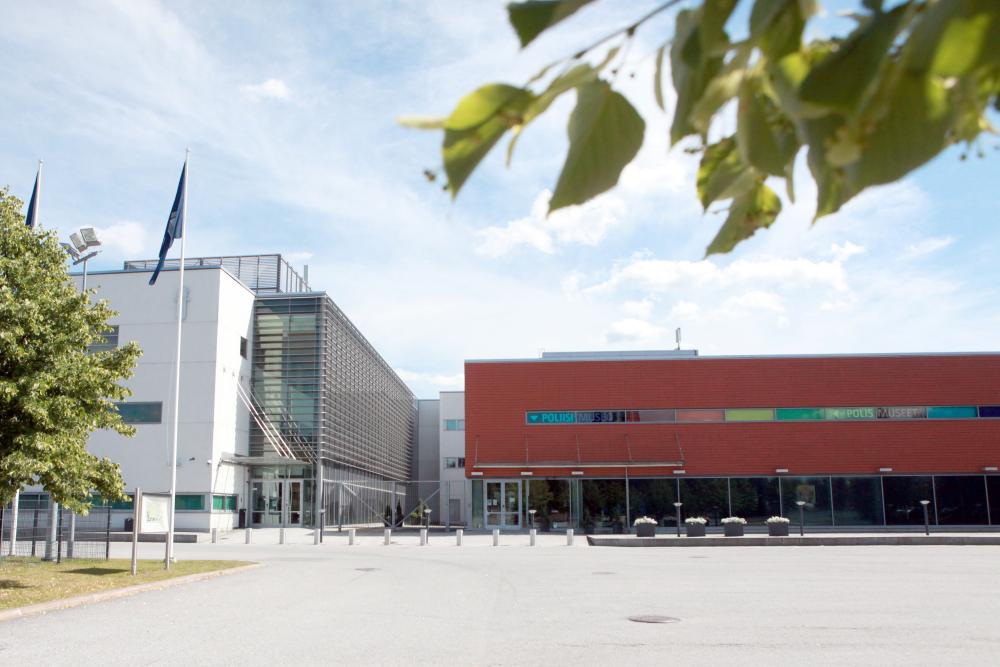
[911, 79]
[53, 392]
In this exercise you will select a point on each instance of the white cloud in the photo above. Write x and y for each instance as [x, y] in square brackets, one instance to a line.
[754, 300]
[635, 331]
[272, 89]
[662, 275]
[584, 225]
[685, 310]
[844, 251]
[126, 238]
[641, 309]
[928, 246]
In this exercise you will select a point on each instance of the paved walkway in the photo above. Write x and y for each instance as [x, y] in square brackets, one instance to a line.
[405, 604]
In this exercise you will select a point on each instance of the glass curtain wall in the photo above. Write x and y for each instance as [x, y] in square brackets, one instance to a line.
[550, 498]
[708, 498]
[814, 492]
[754, 498]
[902, 500]
[961, 500]
[857, 501]
[654, 498]
[603, 509]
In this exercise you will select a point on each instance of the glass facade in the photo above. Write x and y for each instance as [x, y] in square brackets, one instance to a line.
[610, 505]
[141, 412]
[339, 407]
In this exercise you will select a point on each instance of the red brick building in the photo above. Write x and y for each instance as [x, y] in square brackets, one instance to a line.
[594, 440]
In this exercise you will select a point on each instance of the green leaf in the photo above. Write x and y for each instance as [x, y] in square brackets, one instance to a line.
[711, 27]
[861, 55]
[576, 76]
[605, 133]
[722, 174]
[757, 134]
[691, 68]
[831, 183]
[475, 126]
[422, 122]
[753, 210]
[719, 90]
[776, 26]
[531, 18]
[912, 131]
[954, 37]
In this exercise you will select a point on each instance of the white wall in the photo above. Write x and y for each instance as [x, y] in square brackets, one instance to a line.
[218, 310]
[452, 444]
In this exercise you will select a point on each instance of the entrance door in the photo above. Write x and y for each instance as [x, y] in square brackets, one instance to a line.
[503, 505]
[273, 497]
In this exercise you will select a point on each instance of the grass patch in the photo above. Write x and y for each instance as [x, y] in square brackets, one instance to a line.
[25, 581]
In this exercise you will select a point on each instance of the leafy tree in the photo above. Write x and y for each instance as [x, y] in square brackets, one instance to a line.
[910, 79]
[53, 394]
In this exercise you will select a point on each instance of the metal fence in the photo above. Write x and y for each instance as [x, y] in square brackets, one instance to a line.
[76, 536]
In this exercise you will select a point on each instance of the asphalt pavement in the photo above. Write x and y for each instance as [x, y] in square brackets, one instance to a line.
[405, 604]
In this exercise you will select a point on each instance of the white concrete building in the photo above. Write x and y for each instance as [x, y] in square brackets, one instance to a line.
[213, 423]
[451, 461]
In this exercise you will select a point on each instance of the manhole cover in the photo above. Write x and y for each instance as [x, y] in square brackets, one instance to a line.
[652, 618]
[366, 569]
[603, 573]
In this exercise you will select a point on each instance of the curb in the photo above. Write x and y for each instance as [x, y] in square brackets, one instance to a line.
[92, 598]
[796, 541]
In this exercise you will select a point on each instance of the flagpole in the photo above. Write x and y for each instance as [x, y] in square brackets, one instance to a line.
[177, 371]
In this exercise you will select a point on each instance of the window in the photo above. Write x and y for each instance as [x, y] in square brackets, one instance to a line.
[961, 500]
[814, 492]
[189, 501]
[454, 462]
[454, 424]
[224, 503]
[902, 500]
[109, 341]
[857, 501]
[141, 413]
[243, 347]
[97, 501]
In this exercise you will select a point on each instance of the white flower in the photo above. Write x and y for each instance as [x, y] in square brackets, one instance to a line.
[645, 520]
[734, 519]
[696, 520]
[778, 519]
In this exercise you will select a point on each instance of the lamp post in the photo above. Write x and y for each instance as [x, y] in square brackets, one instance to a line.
[79, 249]
[427, 517]
[80, 252]
[531, 518]
[927, 521]
[802, 516]
[677, 506]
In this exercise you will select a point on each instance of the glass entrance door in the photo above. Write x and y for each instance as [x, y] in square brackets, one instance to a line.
[273, 497]
[503, 505]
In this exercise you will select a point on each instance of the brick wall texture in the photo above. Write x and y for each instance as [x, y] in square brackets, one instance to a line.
[498, 394]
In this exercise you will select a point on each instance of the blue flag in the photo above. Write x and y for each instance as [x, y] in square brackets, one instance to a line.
[175, 223]
[32, 217]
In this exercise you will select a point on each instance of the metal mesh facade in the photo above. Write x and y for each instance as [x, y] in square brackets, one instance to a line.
[264, 274]
[326, 389]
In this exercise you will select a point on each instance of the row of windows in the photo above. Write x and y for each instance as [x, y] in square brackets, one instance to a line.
[454, 462]
[679, 415]
[141, 412]
[182, 501]
[609, 505]
[109, 342]
[454, 424]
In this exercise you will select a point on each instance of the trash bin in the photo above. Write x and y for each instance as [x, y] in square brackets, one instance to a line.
[129, 524]
[243, 519]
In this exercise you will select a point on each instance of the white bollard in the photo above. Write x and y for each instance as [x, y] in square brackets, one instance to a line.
[281, 535]
[569, 537]
[249, 533]
[458, 537]
[496, 537]
[423, 537]
[215, 536]
[350, 536]
[532, 534]
[387, 540]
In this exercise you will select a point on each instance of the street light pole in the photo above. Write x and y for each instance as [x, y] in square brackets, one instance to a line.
[927, 521]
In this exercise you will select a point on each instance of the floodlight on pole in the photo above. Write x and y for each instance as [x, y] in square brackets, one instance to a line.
[80, 242]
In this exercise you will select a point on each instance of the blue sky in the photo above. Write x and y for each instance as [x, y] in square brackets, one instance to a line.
[290, 111]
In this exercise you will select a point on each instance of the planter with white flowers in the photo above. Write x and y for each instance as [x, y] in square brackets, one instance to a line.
[733, 526]
[645, 526]
[777, 526]
[695, 526]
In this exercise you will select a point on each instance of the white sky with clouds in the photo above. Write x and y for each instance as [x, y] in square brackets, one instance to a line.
[290, 110]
